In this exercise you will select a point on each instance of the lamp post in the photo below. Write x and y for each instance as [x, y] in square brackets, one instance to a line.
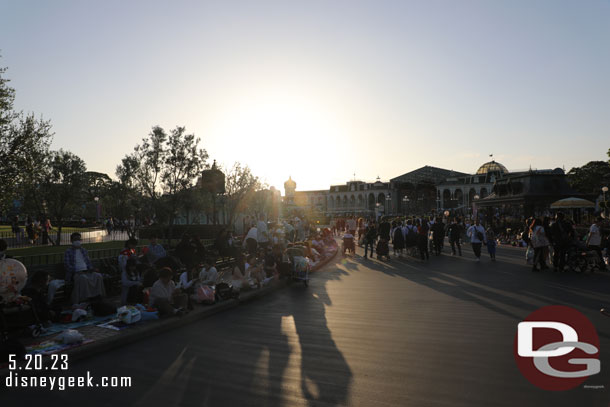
[474, 206]
[405, 199]
[377, 205]
[604, 190]
[388, 201]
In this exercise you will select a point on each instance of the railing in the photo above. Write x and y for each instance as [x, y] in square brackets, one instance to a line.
[52, 259]
[21, 239]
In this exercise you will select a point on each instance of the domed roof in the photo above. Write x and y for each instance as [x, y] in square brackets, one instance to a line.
[492, 166]
[290, 182]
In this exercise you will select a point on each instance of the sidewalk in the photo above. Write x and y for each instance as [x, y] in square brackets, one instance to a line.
[105, 339]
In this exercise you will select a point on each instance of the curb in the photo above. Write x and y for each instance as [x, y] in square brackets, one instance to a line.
[155, 328]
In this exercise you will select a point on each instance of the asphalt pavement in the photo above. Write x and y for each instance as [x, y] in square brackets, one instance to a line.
[364, 333]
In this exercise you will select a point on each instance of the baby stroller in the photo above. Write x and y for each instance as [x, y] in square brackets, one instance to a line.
[349, 244]
[383, 249]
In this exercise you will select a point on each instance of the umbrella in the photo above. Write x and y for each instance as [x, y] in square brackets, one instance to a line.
[573, 202]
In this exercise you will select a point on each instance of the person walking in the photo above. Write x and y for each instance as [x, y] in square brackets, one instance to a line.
[454, 232]
[398, 240]
[476, 233]
[438, 235]
[539, 242]
[422, 239]
[369, 238]
[490, 242]
[561, 232]
[594, 241]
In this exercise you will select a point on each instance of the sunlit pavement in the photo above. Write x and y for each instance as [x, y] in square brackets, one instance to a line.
[365, 332]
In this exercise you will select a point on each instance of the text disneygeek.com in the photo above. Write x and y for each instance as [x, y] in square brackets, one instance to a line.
[18, 376]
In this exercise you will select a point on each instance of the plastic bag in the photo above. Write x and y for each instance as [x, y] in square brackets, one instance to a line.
[204, 294]
[70, 336]
[129, 314]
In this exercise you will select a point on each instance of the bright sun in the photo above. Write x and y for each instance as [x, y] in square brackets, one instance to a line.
[278, 136]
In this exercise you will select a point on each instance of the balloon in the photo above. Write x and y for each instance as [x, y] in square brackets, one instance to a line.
[13, 276]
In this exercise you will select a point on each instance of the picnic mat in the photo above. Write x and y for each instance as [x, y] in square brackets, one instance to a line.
[57, 328]
[49, 347]
[115, 325]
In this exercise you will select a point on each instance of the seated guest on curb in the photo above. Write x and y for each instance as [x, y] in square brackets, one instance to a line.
[156, 251]
[189, 280]
[35, 289]
[208, 274]
[250, 242]
[164, 295]
[254, 271]
[88, 283]
[239, 280]
[129, 252]
[131, 283]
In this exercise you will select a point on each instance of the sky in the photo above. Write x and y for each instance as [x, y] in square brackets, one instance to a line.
[319, 90]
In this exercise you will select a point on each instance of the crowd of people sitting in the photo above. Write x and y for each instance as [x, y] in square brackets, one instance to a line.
[172, 281]
[549, 241]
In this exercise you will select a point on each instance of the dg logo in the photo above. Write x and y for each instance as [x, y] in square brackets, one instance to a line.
[557, 348]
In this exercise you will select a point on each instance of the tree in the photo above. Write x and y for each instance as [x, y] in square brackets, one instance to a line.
[591, 177]
[142, 169]
[182, 165]
[240, 186]
[24, 145]
[64, 186]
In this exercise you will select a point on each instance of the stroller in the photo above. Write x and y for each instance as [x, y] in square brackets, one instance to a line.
[349, 244]
[581, 258]
[383, 249]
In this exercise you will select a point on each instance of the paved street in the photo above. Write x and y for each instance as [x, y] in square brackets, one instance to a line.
[365, 333]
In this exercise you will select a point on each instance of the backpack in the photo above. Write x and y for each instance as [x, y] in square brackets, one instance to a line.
[478, 234]
[225, 292]
[411, 239]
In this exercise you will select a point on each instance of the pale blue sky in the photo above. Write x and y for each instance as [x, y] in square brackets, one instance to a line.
[320, 89]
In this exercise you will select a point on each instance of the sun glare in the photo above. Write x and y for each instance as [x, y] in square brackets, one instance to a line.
[282, 136]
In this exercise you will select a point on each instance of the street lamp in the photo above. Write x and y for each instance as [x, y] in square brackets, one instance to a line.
[474, 206]
[388, 200]
[405, 199]
[604, 190]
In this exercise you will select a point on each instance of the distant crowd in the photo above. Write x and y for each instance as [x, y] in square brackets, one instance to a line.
[549, 241]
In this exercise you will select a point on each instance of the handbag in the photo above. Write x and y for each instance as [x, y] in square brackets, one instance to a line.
[205, 294]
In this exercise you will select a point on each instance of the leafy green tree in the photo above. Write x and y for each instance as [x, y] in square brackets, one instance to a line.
[64, 186]
[591, 177]
[183, 163]
[24, 145]
[143, 169]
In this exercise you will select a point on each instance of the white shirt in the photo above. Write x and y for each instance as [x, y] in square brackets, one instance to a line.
[184, 281]
[252, 234]
[595, 237]
[79, 261]
[262, 235]
[208, 276]
[160, 291]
